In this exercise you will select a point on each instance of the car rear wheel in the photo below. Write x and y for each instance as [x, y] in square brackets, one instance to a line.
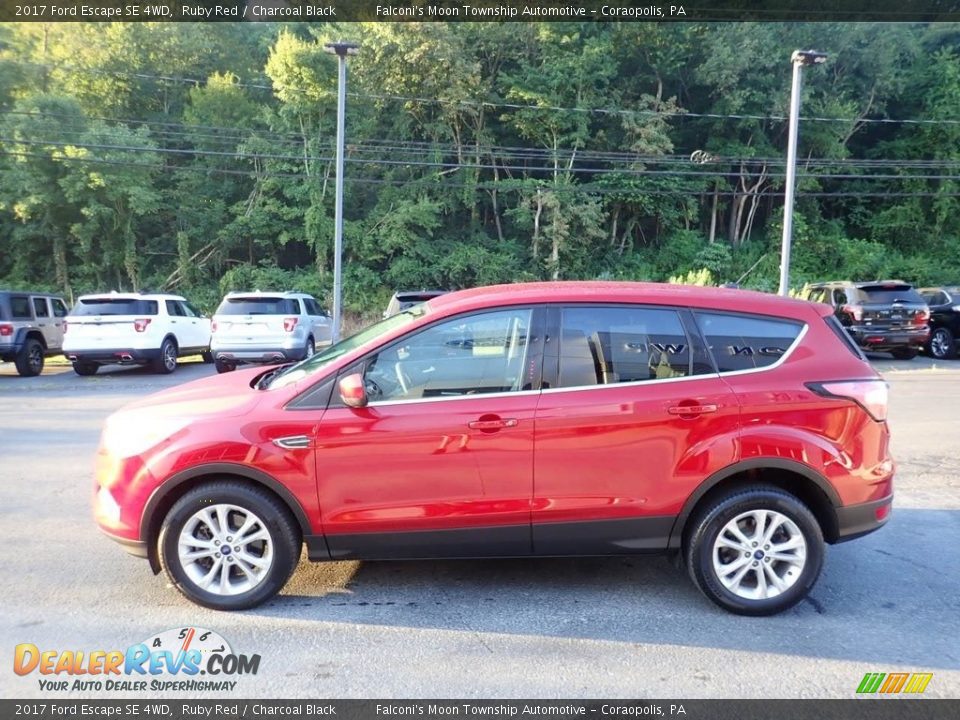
[229, 546]
[904, 353]
[311, 348]
[85, 369]
[942, 344]
[29, 360]
[755, 551]
[166, 363]
[223, 366]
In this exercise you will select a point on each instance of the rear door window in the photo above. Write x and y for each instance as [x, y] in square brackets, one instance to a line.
[115, 306]
[614, 344]
[40, 309]
[259, 306]
[174, 309]
[745, 342]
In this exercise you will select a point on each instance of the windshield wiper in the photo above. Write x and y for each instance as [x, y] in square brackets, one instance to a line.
[264, 382]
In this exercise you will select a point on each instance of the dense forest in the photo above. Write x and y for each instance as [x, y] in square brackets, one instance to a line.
[200, 157]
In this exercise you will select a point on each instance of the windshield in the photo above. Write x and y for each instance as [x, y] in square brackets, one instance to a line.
[258, 306]
[886, 294]
[114, 306]
[319, 361]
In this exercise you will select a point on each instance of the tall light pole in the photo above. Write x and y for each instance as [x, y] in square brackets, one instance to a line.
[799, 59]
[341, 49]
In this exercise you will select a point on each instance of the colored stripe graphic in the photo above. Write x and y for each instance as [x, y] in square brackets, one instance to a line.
[918, 683]
[871, 682]
[894, 683]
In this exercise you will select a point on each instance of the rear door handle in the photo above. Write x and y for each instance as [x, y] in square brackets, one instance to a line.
[492, 424]
[691, 409]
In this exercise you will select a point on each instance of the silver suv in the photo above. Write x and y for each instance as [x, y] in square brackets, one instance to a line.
[267, 327]
[31, 328]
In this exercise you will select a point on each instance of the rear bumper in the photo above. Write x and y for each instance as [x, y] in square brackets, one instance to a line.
[109, 357]
[879, 339]
[9, 351]
[258, 355]
[855, 521]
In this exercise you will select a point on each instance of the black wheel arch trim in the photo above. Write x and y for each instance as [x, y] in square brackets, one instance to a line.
[759, 463]
[149, 523]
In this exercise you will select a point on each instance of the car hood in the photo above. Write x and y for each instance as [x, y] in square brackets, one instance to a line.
[225, 395]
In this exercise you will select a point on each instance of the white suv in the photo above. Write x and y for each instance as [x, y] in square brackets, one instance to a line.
[267, 327]
[134, 329]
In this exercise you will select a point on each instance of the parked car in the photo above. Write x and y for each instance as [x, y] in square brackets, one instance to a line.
[881, 316]
[134, 329]
[268, 327]
[406, 299]
[740, 430]
[31, 329]
[944, 305]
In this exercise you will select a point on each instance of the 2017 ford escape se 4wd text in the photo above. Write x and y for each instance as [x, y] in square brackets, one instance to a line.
[741, 430]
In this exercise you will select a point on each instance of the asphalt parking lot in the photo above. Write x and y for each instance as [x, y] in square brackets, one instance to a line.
[539, 628]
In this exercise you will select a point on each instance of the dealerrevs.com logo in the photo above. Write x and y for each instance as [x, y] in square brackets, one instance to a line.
[182, 659]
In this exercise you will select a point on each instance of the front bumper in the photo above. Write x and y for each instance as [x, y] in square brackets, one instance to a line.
[855, 521]
[129, 356]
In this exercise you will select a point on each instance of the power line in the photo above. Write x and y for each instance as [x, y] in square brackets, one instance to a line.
[622, 112]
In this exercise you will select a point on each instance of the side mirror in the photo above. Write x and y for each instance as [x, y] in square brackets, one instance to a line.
[352, 391]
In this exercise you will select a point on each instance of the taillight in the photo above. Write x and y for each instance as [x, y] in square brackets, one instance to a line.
[213, 326]
[871, 395]
[854, 311]
[290, 323]
[140, 324]
[6, 330]
[921, 317]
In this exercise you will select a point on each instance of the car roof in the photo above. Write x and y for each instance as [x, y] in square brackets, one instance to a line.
[267, 293]
[131, 296]
[36, 293]
[613, 292]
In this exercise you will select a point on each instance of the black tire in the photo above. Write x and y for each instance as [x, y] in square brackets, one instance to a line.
[904, 353]
[310, 349]
[283, 531]
[29, 361]
[223, 366]
[707, 525]
[207, 356]
[85, 369]
[166, 361]
[942, 345]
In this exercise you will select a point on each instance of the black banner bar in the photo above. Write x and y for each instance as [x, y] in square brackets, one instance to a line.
[479, 10]
[893, 708]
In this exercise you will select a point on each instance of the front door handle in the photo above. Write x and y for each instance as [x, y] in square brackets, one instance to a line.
[488, 423]
[691, 410]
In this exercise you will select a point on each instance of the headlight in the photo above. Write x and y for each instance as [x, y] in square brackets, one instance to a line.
[126, 435]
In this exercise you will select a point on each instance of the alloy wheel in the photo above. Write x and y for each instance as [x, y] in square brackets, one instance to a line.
[225, 549]
[759, 554]
[939, 346]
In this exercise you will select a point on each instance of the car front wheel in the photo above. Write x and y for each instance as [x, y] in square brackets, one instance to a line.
[229, 546]
[755, 551]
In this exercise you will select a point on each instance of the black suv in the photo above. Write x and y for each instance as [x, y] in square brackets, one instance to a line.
[881, 316]
[31, 328]
[944, 305]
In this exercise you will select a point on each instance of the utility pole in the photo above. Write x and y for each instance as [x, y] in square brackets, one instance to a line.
[799, 58]
[341, 49]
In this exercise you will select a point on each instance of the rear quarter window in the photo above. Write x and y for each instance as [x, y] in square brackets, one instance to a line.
[745, 342]
[20, 308]
[114, 306]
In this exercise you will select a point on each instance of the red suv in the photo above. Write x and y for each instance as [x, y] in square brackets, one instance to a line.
[738, 429]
